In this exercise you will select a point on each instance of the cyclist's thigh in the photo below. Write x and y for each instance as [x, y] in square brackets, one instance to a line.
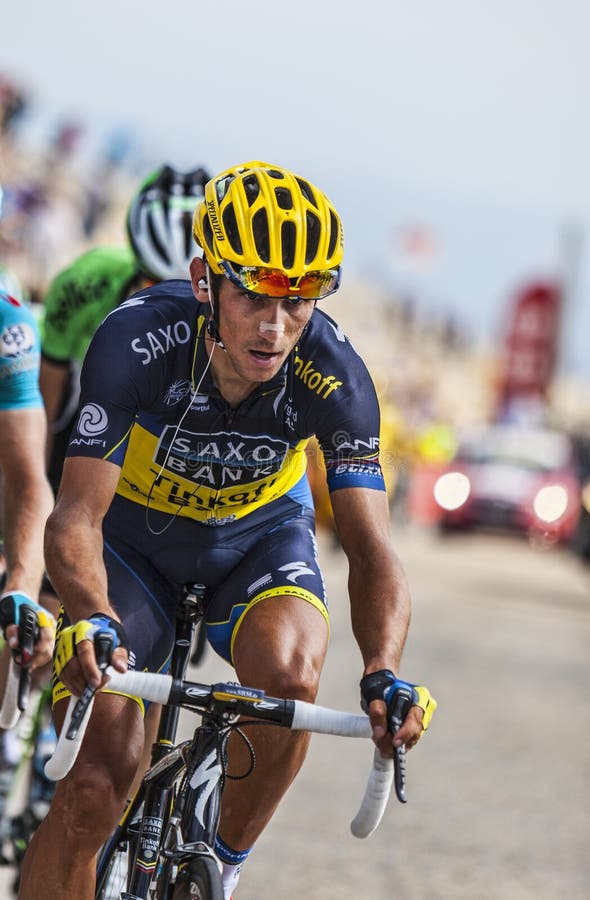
[113, 741]
[283, 564]
[146, 603]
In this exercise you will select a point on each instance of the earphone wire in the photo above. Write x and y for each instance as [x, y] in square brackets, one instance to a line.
[157, 478]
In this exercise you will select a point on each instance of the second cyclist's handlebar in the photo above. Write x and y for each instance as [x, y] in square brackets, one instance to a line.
[10, 710]
[234, 699]
[18, 678]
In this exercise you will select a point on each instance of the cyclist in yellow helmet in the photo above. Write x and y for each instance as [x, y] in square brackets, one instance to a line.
[187, 463]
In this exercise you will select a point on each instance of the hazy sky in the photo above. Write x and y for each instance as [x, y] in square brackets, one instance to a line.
[468, 116]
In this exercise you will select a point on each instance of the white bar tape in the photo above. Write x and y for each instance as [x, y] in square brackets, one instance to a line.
[9, 712]
[66, 752]
[376, 796]
[147, 685]
[309, 717]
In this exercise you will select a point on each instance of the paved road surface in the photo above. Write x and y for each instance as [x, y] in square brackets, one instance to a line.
[499, 796]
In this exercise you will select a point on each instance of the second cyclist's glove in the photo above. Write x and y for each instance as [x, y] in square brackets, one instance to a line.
[87, 630]
[383, 685]
[11, 606]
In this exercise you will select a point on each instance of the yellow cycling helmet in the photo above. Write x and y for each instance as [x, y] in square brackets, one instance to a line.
[257, 217]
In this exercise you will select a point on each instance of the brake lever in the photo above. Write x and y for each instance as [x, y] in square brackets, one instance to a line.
[28, 631]
[397, 711]
[103, 644]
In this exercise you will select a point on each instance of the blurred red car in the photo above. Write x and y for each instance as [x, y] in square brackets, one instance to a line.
[512, 478]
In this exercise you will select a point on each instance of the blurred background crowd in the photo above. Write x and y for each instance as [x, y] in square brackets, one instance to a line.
[437, 384]
[56, 202]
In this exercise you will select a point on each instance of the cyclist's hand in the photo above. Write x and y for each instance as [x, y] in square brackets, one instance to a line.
[11, 611]
[75, 652]
[378, 693]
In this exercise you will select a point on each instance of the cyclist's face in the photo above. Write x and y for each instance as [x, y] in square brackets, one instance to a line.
[258, 333]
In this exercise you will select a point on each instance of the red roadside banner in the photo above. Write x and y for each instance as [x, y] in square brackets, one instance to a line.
[530, 348]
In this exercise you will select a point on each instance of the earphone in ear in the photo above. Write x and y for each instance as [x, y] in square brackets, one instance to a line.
[203, 283]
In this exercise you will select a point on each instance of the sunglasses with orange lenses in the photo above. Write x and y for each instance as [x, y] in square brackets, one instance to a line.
[275, 283]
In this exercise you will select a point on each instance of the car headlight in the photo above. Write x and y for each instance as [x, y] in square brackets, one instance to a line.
[550, 503]
[452, 490]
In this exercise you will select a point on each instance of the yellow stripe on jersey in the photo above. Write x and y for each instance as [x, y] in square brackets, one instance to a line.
[193, 487]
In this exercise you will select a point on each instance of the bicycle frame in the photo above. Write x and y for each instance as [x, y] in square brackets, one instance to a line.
[173, 824]
[177, 822]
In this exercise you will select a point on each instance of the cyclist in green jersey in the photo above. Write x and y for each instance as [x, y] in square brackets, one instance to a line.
[159, 228]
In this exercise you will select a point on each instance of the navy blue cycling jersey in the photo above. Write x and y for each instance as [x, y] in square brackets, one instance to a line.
[183, 450]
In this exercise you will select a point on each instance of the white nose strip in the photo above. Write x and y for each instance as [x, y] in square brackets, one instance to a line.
[268, 326]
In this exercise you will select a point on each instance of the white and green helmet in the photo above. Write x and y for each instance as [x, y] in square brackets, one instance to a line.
[159, 221]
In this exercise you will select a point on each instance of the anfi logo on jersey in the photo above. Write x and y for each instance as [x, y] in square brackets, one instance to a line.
[93, 420]
[17, 340]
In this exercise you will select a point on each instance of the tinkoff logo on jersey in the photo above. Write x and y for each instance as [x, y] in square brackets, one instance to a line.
[320, 384]
[219, 459]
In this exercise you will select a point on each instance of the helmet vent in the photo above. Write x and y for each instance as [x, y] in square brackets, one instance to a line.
[231, 229]
[313, 236]
[221, 187]
[187, 228]
[288, 241]
[307, 191]
[156, 242]
[334, 232]
[275, 174]
[284, 198]
[251, 188]
[208, 234]
[261, 239]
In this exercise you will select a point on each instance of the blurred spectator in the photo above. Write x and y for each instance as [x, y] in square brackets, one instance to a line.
[13, 104]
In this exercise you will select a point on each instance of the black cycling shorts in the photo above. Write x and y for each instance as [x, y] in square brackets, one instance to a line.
[270, 553]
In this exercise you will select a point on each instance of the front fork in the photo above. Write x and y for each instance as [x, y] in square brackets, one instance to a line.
[192, 826]
[200, 806]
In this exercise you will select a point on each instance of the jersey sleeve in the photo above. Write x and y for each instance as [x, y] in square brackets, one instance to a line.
[350, 444]
[345, 417]
[113, 387]
[19, 356]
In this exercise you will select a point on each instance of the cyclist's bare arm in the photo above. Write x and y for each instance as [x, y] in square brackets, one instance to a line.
[73, 551]
[379, 598]
[53, 379]
[26, 502]
[27, 497]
